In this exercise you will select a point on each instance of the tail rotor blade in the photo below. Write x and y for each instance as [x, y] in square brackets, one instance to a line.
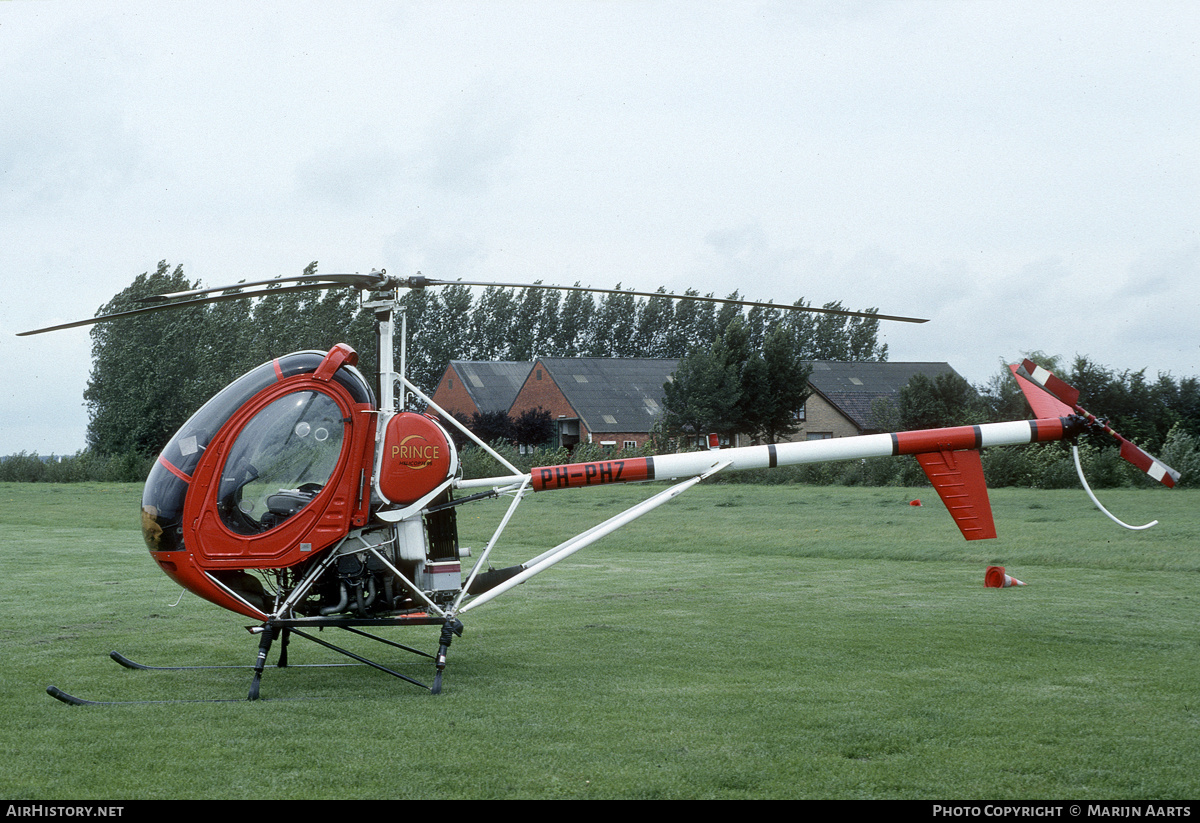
[1147, 462]
[1043, 403]
[1049, 382]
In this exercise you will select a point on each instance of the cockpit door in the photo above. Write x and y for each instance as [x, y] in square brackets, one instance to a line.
[286, 476]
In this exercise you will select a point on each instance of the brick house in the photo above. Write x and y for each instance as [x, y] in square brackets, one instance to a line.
[844, 394]
[616, 401]
[608, 401]
[470, 386]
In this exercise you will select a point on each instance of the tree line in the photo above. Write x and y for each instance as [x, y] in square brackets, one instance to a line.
[741, 371]
[149, 373]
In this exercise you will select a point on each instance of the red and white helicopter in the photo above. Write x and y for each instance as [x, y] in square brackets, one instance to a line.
[299, 499]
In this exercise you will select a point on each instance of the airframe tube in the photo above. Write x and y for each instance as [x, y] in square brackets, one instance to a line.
[568, 548]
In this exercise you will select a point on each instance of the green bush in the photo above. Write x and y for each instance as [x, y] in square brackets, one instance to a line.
[84, 466]
[1181, 452]
[23, 468]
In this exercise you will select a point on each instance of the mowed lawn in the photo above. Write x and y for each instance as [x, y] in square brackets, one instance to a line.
[739, 642]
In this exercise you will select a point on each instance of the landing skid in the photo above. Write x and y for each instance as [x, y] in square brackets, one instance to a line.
[283, 630]
[59, 694]
[133, 664]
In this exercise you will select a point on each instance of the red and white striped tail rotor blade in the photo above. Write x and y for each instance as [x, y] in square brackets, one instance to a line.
[1147, 462]
[1050, 383]
[1043, 403]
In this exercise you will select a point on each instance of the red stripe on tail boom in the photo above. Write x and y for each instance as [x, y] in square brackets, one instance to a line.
[971, 437]
[575, 475]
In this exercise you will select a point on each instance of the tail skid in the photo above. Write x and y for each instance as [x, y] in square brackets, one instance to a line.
[1098, 504]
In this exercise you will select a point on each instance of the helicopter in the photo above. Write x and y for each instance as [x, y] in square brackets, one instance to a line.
[303, 498]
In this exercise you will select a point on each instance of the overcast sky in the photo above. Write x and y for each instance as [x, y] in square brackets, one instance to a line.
[1026, 175]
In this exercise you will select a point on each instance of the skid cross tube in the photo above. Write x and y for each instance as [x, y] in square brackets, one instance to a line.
[359, 658]
[273, 629]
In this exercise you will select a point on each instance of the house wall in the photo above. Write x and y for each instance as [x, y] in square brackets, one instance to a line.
[540, 389]
[620, 438]
[822, 418]
[452, 396]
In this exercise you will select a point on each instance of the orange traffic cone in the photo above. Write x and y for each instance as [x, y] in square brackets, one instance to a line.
[995, 578]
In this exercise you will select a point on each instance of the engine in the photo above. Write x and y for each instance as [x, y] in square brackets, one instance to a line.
[373, 572]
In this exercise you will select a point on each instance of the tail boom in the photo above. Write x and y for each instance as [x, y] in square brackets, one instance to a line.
[669, 466]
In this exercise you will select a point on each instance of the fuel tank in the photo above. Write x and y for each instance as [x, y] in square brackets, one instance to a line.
[417, 456]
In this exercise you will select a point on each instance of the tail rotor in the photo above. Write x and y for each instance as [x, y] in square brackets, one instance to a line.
[1069, 397]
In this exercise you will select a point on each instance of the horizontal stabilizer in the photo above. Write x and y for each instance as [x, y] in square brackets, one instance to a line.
[958, 478]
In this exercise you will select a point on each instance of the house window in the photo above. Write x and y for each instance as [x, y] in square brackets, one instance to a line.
[539, 374]
[630, 444]
[819, 436]
[802, 412]
[701, 442]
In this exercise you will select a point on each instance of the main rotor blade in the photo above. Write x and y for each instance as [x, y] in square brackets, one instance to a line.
[704, 299]
[373, 280]
[178, 304]
[381, 280]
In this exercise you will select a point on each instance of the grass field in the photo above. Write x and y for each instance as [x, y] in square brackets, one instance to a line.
[740, 642]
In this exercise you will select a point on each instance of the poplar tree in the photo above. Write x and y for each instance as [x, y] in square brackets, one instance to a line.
[491, 324]
[575, 323]
[653, 332]
[613, 326]
[528, 337]
[145, 369]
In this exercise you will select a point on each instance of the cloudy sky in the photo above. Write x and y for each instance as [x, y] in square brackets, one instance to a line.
[1026, 175]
